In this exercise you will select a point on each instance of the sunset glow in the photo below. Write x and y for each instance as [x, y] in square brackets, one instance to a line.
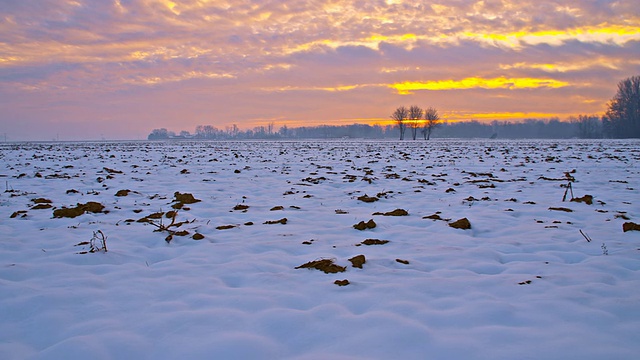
[117, 69]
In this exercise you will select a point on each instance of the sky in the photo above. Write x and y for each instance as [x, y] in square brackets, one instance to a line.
[117, 69]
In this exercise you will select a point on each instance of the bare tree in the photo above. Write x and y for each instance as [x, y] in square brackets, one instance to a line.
[415, 115]
[400, 116]
[432, 120]
[623, 113]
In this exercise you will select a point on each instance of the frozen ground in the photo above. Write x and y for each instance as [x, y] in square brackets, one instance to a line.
[522, 283]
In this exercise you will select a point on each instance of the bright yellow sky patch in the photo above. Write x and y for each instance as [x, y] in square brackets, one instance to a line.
[408, 87]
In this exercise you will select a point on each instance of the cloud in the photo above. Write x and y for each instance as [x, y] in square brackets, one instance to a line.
[322, 53]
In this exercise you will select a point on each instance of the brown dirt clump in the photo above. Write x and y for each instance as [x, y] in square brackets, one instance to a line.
[241, 207]
[365, 225]
[344, 282]
[281, 221]
[91, 206]
[325, 265]
[277, 208]
[112, 171]
[463, 224]
[357, 261]
[560, 209]
[41, 206]
[368, 199]
[124, 192]
[401, 261]
[185, 198]
[629, 226]
[587, 199]
[197, 236]
[374, 242]
[225, 227]
[396, 212]
[435, 216]
[41, 201]
[21, 213]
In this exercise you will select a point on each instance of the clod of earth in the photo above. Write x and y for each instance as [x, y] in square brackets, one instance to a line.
[365, 225]
[344, 282]
[185, 198]
[587, 199]
[281, 221]
[225, 227]
[357, 261]
[277, 208]
[463, 224]
[41, 201]
[124, 192]
[91, 206]
[561, 209]
[325, 265]
[18, 213]
[374, 242]
[435, 216]
[112, 171]
[41, 206]
[240, 207]
[367, 199]
[197, 236]
[401, 261]
[629, 226]
[396, 212]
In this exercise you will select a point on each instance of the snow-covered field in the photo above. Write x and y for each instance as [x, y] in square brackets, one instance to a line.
[523, 282]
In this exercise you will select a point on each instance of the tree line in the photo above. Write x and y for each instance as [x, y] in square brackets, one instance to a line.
[621, 120]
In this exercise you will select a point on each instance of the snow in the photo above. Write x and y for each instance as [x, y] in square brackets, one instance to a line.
[522, 283]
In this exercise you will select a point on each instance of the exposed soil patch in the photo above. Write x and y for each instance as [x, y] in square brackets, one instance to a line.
[91, 206]
[325, 265]
[241, 207]
[277, 208]
[225, 227]
[41, 201]
[185, 198]
[368, 199]
[112, 171]
[41, 206]
[124, 192]
[463, 224]
[281, 221]
[629, 226]
[21, 213]
[560, 209]
[374, 242]
[396, 212]
[357, 261]
[435, 216]
[401, 261]
[344, 282]
[365, 225]
[587, 199]
[197, 236]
